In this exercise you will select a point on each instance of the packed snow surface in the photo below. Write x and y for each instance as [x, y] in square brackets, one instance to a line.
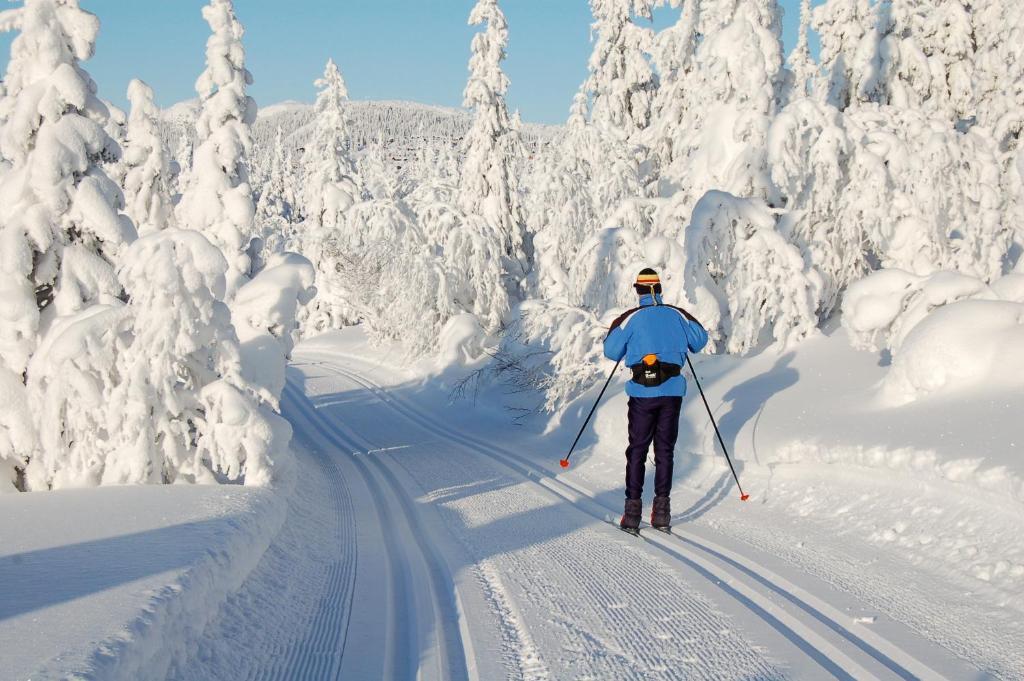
[441, 542]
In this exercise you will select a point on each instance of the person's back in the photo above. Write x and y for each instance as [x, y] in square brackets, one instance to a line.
[653, 340]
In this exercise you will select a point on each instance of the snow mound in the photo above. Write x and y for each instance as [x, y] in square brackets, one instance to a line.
[946, 331]
[971, 343]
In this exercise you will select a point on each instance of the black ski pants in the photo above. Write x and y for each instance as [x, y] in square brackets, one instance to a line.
[651, 419]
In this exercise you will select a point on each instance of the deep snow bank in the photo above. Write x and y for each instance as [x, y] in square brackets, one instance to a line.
[118, 582]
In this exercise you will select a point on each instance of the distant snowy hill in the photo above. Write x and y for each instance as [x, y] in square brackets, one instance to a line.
[405, 127]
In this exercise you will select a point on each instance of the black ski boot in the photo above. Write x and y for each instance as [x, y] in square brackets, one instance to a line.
[661, 514]
[631, 516]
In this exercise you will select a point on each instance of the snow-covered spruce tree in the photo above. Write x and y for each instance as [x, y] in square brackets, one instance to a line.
[744, 278]
[181, 166]
[559, 204]
[621, 83]
[739, 79]
[928, 56]
[488, 185]
[940, 199]
[810, 154]
[801, 62]
[604, 267]
[999, 68]
[330, 184]
[18, 439]
[292, 193]
[999, 91]
[147, 168]
[272, 204]
[935, 178]
[910, 54]
[218, 199]
[381, 180]
[473, 257]
[70, 380]
[273, 212]
[620, 87]
[412, 284]
[61, 232]
[851, 51]
[674, 55]
[182, 410]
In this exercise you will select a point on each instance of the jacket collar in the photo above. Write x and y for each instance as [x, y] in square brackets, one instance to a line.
[647, 300]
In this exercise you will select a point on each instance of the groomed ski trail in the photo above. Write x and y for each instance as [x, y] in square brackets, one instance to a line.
[583, 603]
[333, 598]
[415, 551]
[824, 633]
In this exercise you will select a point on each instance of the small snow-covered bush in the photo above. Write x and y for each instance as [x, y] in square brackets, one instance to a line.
[271, 302]
[265, 315]
[879, 310]
[744, 278]
[461, 340]
[574, 338]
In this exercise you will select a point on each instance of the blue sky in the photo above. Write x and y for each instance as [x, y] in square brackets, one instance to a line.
[388, 49]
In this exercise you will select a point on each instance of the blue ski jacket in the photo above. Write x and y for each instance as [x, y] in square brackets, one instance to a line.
[654, 328]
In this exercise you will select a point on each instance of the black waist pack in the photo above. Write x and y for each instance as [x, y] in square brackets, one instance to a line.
[653, 375]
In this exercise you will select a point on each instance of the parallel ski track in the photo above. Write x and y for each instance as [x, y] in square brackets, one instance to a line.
[416, 621]
[738, 577]
[290, 619]
[318, 654]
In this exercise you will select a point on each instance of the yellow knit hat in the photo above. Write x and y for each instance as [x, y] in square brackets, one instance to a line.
[648, 278]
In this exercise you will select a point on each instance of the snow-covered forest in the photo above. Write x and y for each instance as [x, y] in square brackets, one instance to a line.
[157, 267]
[286, 387]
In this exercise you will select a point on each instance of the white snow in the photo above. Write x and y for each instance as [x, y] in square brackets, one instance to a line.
[119, 582]
[847, 227]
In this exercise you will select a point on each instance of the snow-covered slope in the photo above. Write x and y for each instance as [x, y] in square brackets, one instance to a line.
[406, 123]
[120, 582]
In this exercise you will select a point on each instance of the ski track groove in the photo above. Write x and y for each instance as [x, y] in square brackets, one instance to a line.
[318, 654]
[396, 666]
[290, 645]
[451, 651]
[683, 549]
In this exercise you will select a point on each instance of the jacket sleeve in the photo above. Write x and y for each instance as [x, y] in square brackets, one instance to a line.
[615, 344]
[696, 336]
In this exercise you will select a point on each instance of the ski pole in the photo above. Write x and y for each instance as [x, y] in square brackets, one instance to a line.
[565, 462]
[743, 496]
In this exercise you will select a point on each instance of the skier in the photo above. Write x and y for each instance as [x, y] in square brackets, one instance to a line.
[654, 339]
